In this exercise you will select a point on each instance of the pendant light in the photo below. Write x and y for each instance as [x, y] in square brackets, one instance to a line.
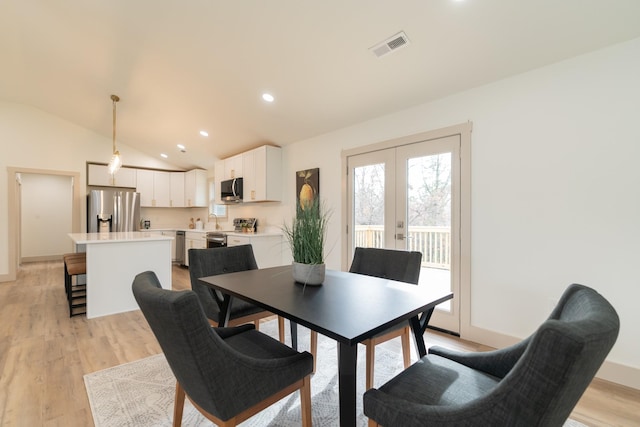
[116, 161]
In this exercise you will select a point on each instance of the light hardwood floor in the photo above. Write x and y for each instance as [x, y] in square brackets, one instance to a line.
[44, 355]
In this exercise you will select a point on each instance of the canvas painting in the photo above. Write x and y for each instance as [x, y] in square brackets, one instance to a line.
[307, 186]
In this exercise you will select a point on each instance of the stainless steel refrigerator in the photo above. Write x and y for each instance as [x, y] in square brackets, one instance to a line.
[111, 210]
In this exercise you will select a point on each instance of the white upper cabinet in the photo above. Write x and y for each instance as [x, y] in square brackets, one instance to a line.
[145, 187]
[162, 189]
[195, 188]
[157, 188]
[154, 188]
[99, 175]
[262, 174]
[233, 167]
[177, 189]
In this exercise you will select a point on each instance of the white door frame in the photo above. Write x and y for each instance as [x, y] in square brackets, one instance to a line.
[464, 267]
[14, 212]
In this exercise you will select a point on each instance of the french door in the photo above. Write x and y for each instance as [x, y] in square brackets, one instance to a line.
[408, 197]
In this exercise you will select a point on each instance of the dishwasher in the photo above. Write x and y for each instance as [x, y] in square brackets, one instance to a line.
[180, 247]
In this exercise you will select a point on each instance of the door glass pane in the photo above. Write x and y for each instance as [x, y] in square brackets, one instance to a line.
[368, 203]
[429, 218]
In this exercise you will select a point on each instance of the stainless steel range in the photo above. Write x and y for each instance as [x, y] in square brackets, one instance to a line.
[218, 239]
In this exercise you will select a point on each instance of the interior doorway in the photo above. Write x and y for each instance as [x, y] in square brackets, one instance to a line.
[15, 209]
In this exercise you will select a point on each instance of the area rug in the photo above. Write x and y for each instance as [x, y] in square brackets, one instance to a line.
[140, 393]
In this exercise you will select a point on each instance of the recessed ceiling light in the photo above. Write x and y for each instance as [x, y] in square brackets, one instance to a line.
[180, 146]
[204, 133]
[164, 156]
[268, 97]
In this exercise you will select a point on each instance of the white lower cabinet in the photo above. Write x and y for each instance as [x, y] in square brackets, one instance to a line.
[195, 240]
[266, 248]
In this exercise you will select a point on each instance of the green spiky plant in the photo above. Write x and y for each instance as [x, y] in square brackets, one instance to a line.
[308, 231]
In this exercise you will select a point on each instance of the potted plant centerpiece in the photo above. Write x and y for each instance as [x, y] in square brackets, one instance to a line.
[306, 237]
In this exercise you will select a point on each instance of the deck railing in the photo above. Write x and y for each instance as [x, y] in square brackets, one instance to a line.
[433, 242]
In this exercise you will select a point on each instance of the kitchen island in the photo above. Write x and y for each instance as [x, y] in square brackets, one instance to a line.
[113, 260]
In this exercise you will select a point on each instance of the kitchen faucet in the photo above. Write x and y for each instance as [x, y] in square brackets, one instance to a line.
[216, 216]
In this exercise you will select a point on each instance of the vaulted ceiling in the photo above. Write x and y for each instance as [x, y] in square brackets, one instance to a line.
[184, 66]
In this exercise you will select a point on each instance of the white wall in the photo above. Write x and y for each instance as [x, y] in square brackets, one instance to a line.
[554, 187]
[33, 139]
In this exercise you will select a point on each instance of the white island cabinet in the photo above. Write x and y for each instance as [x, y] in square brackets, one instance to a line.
[113, 260]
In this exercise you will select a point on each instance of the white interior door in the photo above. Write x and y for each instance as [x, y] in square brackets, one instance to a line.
[408, 197]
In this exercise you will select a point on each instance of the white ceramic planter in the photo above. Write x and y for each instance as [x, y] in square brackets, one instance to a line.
[308, 274]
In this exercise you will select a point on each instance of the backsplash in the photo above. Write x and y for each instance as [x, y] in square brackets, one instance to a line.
[270, 216]
[172, 217]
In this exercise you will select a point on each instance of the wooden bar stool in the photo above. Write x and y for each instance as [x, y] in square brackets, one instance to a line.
[75, 264]
[71, 258]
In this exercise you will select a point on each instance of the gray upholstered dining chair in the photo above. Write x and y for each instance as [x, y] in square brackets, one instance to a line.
[229, 374]
[536, 382]
[403, 266]
[214, 261]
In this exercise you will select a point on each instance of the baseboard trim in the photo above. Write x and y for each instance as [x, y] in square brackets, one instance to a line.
[618, 373]
[41, 258]
[7, 277]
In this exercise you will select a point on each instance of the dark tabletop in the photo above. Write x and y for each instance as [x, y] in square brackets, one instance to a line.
[347, 307]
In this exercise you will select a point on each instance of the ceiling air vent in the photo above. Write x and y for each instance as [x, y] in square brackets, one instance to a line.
[393, 43]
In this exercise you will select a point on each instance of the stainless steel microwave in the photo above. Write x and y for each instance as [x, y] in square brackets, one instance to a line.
[231, 190]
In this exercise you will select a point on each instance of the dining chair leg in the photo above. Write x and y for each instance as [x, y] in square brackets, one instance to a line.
[314, 348]
[281, 328]
[305, 401]
[406, 346]
[370, 359]
[178, 405]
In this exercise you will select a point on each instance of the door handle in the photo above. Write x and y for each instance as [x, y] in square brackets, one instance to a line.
[401, 236]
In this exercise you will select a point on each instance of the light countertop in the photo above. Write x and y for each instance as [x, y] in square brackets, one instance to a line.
[258, 234]
[119, 237]
[272, 232]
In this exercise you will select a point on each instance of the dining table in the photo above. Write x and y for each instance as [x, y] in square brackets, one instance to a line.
[346, 307]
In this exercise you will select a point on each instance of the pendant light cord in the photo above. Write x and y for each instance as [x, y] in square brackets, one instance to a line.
[115, 99]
